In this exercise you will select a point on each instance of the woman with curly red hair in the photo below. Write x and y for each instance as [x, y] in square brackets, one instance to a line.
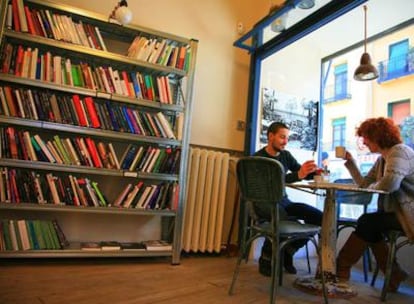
[392, 172]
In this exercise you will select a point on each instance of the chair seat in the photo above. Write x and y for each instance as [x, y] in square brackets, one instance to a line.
[293, 227]
[346, 220]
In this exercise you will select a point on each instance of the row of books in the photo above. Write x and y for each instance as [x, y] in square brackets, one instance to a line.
[160, 51]
[154, 196]
[87, 112]
[150, 245]
[20, 234]
[28, 62]
[18, 186]
[151, 159]
[48, 24]
[84, 151]
[21, 186]
[21, 144]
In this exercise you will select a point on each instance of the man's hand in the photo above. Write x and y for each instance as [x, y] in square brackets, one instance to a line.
[307, 167]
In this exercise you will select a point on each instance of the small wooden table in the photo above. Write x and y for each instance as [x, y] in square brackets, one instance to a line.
[327, 243]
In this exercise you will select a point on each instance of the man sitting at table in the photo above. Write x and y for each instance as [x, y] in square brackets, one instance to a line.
[278, 136]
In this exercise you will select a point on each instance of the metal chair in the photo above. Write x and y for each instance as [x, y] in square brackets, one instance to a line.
[395, 244]
[353, 198]
[262, 185]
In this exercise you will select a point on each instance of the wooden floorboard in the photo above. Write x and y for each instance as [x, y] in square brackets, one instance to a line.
[198, 279]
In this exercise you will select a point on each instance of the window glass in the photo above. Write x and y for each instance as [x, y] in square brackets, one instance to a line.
[398, 57]
[341, 79]
[314, 76]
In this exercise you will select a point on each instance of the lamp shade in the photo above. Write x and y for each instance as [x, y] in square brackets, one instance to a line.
[279, 24]
[366, 71]
[306, 4]
[123, 15]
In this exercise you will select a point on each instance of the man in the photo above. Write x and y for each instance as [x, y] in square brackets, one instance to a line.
[278, 136]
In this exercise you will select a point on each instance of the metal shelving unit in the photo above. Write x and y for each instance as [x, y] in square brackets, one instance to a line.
[125, 35]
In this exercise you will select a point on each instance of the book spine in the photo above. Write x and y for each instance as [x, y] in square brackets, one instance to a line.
[91, 109]
[118, 201]
[101, 197]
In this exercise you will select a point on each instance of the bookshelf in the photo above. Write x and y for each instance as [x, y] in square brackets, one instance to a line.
[94, 124]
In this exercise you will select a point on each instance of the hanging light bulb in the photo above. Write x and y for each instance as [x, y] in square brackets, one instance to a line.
[306, 4]
[278, 24]
[365, 71]
[121, 13]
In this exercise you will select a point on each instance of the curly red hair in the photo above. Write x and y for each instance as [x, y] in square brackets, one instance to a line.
[383, 131]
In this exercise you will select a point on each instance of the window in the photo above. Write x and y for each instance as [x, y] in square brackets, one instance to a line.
[398, 57]
[399, 110]
[338, 132]
[341, 79]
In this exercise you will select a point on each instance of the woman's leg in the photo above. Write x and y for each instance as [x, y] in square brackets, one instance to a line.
[368, 232]
[374, 235]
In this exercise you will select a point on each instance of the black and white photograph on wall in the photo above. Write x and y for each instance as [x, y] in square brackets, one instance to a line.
[300, 114]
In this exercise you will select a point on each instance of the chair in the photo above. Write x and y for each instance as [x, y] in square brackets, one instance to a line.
[353, 198]
[392, 238]
[261, 183]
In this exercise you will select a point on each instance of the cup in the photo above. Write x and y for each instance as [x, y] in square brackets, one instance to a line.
[340, 152]
[318, 178]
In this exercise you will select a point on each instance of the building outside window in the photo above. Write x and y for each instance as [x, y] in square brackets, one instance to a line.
[398, 58]
[341, 80]
[339, 132]
[399, 110]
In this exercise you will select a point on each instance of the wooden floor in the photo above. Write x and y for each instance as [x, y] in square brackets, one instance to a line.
[198, 279]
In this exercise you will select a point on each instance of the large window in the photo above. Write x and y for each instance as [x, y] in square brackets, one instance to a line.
[300, 63]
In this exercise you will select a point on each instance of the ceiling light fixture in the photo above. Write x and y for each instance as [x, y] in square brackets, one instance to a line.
[121, 13]
[279, 24]
[306, 4]
[366, 71]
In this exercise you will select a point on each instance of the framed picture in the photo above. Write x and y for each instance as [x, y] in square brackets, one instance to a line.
[298, 113]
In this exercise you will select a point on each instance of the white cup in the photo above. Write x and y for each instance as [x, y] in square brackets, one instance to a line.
[318, 179]
[340, 152]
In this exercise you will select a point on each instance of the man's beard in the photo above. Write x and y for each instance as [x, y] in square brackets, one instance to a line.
[277, 149]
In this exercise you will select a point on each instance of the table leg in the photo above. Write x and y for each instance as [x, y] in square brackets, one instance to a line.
[328, 234]
[327, 247]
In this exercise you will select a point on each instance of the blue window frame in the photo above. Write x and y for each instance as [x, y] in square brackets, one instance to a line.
[398, 57]
[341, 80]
[338, 132]
[399, 110]
[260, 49]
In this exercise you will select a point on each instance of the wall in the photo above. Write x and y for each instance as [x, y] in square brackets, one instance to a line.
[220, 92]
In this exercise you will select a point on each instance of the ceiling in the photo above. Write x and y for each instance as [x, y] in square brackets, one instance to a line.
[349, 28]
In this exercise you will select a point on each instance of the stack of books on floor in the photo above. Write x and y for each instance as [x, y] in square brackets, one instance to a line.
[150, 245]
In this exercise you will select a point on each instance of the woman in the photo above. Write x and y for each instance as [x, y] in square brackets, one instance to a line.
[392, 172]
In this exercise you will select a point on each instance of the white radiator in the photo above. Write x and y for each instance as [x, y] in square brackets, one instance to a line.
[206, 200]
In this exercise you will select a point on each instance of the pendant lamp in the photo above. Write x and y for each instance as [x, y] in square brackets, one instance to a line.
[279, 24]
[121, 13]
[306, 4]
[365, 71]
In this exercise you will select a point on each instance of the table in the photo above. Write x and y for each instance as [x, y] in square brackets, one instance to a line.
[327, 243]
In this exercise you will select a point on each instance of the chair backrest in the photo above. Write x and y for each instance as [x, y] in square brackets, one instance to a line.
[349, 197]
[261, 179]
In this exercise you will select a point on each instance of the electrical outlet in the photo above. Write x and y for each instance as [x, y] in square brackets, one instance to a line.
[240, 27]
[241, 125]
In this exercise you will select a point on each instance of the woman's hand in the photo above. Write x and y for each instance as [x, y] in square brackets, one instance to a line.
[348, 155]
